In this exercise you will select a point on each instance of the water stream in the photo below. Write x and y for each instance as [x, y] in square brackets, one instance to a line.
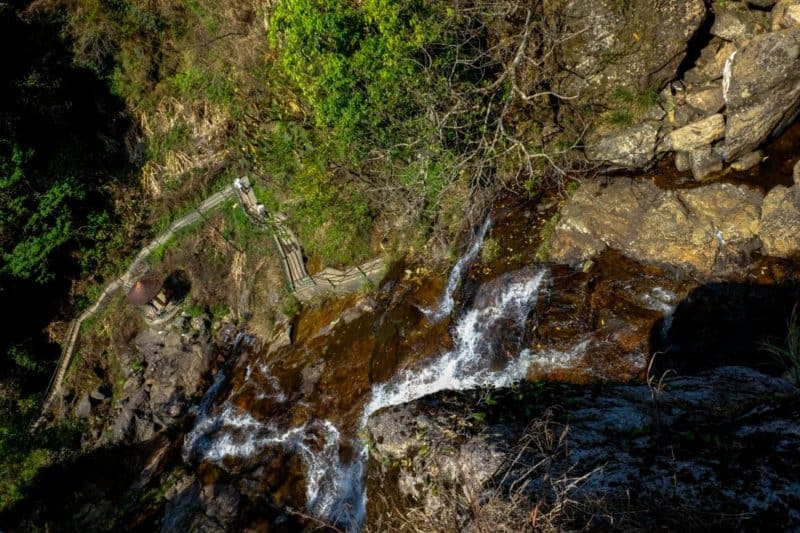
[486, 352]
[447, 301]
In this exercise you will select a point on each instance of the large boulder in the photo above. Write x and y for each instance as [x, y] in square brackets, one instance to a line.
[706, 230]
[395, 434]
[635, 45]
[737, 25]
[780, 221]
[786, 14]
[761, 87]
[697, 134]
[632, 147]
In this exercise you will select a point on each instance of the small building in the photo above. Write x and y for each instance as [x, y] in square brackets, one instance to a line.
[148, 293]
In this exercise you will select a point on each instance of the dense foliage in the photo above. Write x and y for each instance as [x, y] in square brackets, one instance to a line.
[58, 148]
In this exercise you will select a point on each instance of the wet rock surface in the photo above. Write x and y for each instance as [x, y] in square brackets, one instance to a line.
[689, 447]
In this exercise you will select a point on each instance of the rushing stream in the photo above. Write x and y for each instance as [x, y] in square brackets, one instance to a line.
[486, 351]
[446, 302]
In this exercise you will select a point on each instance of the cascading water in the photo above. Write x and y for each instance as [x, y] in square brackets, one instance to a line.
[469, 364]
[446, 302]
[486, 352]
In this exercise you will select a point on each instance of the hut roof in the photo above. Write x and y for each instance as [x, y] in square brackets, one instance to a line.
[145, 289]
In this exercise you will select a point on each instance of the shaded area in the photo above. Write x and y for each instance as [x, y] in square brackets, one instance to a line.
[177, 286]
[72, 133]
[725, 323]
[714, 451]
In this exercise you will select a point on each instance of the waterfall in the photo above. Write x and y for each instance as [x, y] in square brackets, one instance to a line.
[664, 301]
[446, 302]
[468, 365]
[335, 487]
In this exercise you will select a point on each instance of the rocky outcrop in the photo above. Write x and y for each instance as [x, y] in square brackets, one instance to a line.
[761, 90]
[688, 446]
[635, 45]
[705, 230]
[785, 14]
[736, 24]
[173, 365]
[193, 507]
[743, 88]
[404, 433]
[708, 230]
[698, 134]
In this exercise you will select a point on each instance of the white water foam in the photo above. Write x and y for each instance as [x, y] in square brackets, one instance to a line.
[335, 489]
[466, 366]
[446, 303]
[660, 299]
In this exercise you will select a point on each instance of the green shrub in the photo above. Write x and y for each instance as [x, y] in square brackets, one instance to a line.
[787, 354]
[290, 306]
[490, 250]
[359, 66]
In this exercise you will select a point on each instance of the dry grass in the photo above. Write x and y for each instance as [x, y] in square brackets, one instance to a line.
[206, 126]
[523, 496]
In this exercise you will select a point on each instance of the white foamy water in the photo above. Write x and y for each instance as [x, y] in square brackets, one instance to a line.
[468, 365]
[335, 489]
[660, 299]
[446, 302]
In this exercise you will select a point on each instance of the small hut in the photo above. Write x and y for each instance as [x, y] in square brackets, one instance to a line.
[147, 292]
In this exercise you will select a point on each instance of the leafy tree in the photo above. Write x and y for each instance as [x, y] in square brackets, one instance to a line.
[34, 224]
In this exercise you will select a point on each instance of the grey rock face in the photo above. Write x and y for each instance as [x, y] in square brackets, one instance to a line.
[699, 447]
[632, 147]
[734, 25]
[762, 90]
[173, 368]
[406, 433]
[635, 45]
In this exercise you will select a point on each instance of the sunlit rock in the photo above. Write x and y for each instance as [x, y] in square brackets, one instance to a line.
[780, 221]
[762, 90]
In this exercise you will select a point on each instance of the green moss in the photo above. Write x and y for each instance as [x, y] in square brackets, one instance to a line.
[490, 250]
[545, 236]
